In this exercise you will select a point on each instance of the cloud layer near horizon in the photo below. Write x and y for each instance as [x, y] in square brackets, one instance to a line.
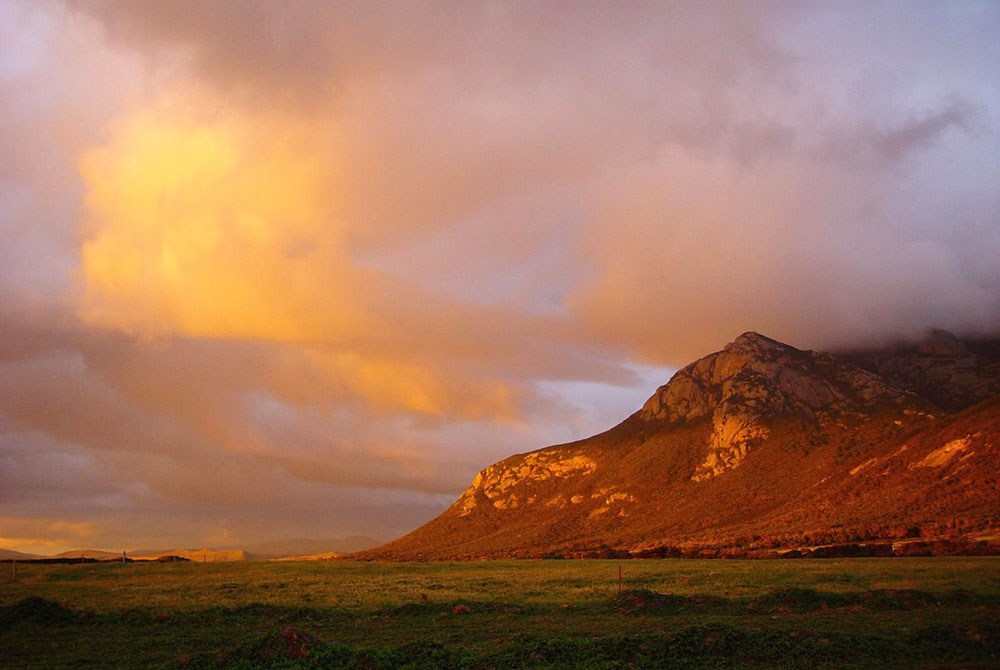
[302, 270]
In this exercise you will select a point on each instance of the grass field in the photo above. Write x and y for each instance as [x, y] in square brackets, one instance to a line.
[914, 612]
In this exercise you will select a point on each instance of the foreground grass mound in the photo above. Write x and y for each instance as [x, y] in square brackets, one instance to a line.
[38, 611]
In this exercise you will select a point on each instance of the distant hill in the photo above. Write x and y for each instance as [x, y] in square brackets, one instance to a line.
[326, 556]
[301, 547]
[87, 553]
[265, 550]
[198, 555]
[752, 449]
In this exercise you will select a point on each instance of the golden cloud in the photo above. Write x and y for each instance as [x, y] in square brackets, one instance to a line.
[226, 226]
[218, 228]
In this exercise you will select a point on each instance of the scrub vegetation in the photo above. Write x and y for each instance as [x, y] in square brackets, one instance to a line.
[911, 612]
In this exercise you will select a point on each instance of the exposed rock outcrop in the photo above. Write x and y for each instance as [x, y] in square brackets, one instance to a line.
[940, 368]
[494, 485]
[755, 380]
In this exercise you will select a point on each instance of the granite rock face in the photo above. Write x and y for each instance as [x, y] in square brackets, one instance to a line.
[501, 485]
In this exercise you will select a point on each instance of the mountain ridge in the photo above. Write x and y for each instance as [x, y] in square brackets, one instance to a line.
[757, 446]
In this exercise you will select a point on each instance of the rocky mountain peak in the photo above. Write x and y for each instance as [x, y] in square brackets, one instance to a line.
[939, 342]
[752, 342]
[754, 380]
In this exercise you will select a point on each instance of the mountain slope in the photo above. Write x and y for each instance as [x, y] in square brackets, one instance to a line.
[758, 445]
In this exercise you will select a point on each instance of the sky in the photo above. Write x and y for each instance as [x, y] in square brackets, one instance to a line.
[274, 270]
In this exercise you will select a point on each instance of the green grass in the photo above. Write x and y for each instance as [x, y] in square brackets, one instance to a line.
[914, 612]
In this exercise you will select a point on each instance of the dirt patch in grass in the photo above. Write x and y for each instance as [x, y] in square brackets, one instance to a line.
[431, 608]
[644, 600]
[290, 643]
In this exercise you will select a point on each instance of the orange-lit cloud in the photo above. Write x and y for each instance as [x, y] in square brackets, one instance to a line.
[343, 255]
[228, 227]
[223, 227]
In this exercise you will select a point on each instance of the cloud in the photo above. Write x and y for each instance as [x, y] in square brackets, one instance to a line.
[818, 254]
[344, 255]
[907, 135]
[216, 229]
[105, 428]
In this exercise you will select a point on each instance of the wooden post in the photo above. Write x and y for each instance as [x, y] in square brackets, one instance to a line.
[123, 558]
[13, 568]
[619, 578]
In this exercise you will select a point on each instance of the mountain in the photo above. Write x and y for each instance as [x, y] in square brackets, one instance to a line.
[755, 448]
[11, 555]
